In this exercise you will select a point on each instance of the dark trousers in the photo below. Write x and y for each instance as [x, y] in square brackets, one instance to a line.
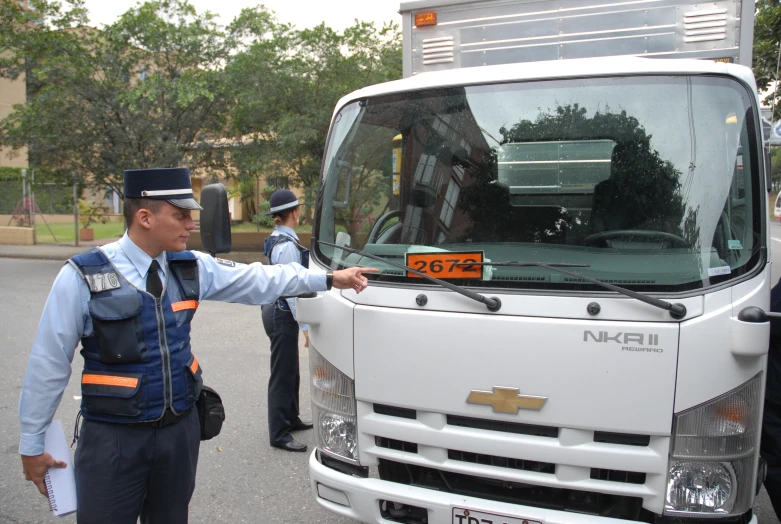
[771, 452]
[123, 472]
[283, 384]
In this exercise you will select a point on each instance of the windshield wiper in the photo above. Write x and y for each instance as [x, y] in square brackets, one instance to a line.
[493, 303]
[677, 311]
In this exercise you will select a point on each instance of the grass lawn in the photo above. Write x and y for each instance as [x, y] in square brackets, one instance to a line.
[64, 232]
[249, 227]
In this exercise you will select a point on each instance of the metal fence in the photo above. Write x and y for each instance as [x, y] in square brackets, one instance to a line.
[50, 198]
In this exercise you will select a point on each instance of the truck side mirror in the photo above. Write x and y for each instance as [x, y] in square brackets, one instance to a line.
[215, 220]
[768, 170]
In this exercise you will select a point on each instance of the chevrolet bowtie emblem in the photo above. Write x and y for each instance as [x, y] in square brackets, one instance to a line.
[506, 400]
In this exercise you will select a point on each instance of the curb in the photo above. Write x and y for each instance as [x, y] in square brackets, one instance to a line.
[25, 256]
[241, 257]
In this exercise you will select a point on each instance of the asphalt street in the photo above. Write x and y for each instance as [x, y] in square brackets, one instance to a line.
[240, 478]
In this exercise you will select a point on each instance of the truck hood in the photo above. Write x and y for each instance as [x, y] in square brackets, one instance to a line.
[601, 375]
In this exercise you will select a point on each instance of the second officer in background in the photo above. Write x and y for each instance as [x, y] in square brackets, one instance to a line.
[281, 326]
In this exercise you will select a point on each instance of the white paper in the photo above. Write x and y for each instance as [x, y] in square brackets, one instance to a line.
[60, 482]
[716, 271]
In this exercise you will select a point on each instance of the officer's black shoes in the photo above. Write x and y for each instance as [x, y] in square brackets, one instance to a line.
[290, 445]
[300, 425]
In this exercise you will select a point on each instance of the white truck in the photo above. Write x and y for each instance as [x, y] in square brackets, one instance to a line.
[567, 201]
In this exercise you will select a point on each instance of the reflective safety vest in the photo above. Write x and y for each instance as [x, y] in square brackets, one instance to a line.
[268, 249]
[273, 241]
[137, 359]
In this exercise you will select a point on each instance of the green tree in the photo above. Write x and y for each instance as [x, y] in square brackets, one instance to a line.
[145, 91]
[767, 34]
[287, 83]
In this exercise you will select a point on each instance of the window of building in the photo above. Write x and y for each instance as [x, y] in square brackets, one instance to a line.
[278, 182]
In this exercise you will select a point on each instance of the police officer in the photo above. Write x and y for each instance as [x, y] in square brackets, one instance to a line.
[130, 303]
[280, 323]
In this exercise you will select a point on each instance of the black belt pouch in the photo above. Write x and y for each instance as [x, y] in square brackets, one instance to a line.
[211, 413]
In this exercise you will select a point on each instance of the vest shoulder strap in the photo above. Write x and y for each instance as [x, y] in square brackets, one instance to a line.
[94, 268]
[271, 242]
[92, 258]
[184, 266]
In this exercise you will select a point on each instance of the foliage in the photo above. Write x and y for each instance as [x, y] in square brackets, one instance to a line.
[167, 86]
[91, 213]
[145, 91]
[261, 220]
[287, 83]
[767, 34]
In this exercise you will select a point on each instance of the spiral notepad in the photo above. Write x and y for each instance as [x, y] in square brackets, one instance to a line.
[60, 482]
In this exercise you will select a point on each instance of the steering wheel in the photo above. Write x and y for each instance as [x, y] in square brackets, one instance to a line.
[379, 226]
[619, 233]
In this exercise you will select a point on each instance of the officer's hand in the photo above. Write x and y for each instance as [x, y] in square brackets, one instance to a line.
[306, 343]
[352, 278]
[35, 467]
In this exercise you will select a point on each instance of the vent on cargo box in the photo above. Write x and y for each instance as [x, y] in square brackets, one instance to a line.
[438, 50]
[703, 26]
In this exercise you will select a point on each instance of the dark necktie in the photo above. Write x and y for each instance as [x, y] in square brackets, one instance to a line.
[153, 283]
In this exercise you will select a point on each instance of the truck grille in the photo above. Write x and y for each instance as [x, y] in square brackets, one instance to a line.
[621, 438]
[505, 427]
[393, 411]
[612, 475]
[534, 465]
[398, 445]
[615, 506]
[501, 462]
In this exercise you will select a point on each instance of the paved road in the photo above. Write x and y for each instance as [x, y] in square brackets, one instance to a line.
[240, 478]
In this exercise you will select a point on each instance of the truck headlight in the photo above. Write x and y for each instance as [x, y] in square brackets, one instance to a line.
[713, 455]
[704, 487]
[333, 404]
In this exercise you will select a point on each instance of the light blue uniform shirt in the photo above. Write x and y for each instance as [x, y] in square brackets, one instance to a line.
[66, 319]
[285, 253]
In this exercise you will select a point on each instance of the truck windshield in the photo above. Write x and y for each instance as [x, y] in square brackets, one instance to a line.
[650, 182]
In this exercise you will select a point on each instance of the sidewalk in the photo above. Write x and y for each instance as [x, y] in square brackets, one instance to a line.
[62, 252]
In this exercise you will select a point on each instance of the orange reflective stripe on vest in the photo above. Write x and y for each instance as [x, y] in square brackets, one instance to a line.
[185, 304]
[104, 380]
[194, 366]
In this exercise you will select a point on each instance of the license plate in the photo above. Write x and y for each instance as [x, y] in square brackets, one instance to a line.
[468, 516]
[446, 265]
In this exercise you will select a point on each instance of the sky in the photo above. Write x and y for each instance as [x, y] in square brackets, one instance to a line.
[337, 14]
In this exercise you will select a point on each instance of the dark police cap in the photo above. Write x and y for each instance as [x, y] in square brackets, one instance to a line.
[281, 200]
[169, 183]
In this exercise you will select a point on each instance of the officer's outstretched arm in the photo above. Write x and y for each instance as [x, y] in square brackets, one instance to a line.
[352, 278]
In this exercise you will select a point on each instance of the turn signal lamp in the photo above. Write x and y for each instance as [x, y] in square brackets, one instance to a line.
[713, 455]
[424, 19]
